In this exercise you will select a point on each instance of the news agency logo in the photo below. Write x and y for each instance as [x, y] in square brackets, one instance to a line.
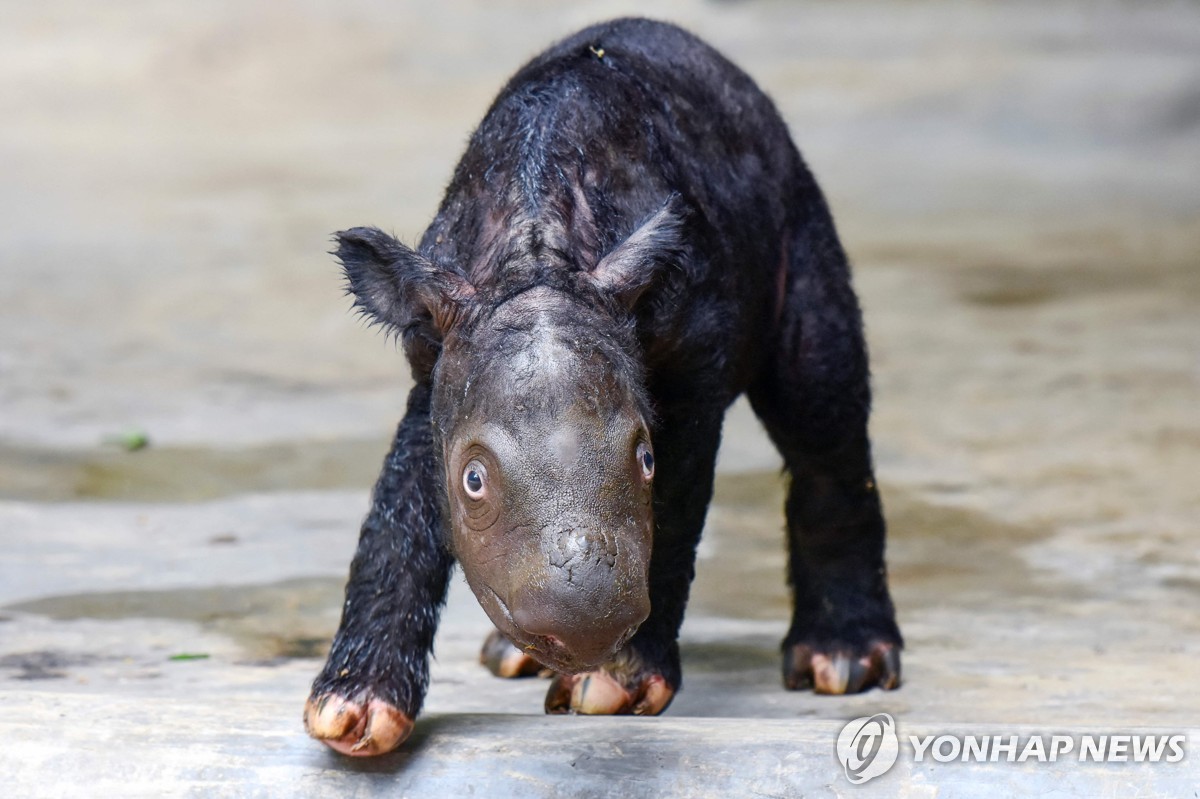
[868, 747]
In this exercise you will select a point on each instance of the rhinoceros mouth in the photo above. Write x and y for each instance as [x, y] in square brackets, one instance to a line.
[549, 650]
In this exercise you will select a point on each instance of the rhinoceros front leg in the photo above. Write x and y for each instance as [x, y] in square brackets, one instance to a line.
[370, 691]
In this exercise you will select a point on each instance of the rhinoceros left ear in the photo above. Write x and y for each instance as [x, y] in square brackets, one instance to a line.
[397, 287]
[629, 269]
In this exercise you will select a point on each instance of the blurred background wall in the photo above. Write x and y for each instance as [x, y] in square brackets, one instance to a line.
[1017, 183]
[172, 172]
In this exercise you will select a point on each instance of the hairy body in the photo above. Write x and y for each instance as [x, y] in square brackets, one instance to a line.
[630, 242]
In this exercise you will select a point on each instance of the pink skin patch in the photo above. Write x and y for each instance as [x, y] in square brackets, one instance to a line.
[781, 282]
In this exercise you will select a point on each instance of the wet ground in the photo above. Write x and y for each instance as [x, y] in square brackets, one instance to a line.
[1016, 183]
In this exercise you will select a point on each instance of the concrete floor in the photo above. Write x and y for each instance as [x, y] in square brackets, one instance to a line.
[1016, 183]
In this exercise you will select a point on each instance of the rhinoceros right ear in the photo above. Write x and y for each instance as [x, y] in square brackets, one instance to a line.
[658, 244]
[397, 287]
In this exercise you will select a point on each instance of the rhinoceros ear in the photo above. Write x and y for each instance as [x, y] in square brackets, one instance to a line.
[633, 265]
[397, 287]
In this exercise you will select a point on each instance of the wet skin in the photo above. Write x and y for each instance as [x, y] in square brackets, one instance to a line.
[630, 242]
[548, 484]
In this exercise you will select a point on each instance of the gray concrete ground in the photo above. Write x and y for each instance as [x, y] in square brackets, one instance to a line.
[1016, 182]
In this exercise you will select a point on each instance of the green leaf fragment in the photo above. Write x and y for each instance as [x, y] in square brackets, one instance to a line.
[130, 440]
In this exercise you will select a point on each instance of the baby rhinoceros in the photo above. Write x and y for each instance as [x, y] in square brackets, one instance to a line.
[629, 243]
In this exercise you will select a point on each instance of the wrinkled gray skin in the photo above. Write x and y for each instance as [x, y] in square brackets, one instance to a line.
[556, 544]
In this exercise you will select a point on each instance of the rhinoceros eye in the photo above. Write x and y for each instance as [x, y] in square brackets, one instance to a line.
[474, 480]
[646, 460]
